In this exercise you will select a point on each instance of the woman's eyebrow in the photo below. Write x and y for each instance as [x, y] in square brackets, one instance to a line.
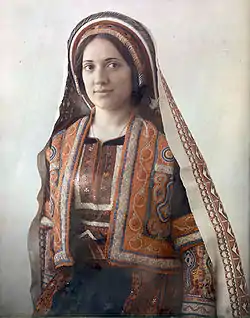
[111, 59]
[87, 61]
[106, 60]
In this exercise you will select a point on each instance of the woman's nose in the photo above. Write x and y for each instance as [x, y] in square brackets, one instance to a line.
[101, 76]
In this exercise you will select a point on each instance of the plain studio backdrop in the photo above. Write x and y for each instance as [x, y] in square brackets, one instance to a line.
[203, 50]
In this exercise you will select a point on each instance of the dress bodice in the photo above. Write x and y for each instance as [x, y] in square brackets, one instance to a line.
[94, 187]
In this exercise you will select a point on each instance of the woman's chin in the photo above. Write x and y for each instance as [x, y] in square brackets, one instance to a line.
[107, 105]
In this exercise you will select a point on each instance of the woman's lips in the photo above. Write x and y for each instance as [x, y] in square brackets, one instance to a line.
[103, 92]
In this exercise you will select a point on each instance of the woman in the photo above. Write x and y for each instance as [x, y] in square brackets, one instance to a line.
[118, 235]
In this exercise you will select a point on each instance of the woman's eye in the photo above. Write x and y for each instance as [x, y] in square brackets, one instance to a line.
[88, 67]
[113, 65]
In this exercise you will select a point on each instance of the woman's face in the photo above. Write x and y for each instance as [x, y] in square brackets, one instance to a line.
[106, 75]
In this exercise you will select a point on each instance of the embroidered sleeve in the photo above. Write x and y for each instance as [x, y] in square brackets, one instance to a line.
[198, 284]
[46, 223]
[46, 232]
[53, 156]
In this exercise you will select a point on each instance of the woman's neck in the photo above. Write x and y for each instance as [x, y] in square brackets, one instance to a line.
[109, 124]
[111, 119]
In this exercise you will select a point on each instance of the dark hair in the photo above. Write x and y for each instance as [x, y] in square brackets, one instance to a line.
[137, 92]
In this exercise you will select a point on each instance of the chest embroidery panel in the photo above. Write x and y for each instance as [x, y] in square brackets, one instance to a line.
[94, 188]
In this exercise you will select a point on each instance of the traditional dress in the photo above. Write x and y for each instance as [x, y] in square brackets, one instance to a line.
[119, 232]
